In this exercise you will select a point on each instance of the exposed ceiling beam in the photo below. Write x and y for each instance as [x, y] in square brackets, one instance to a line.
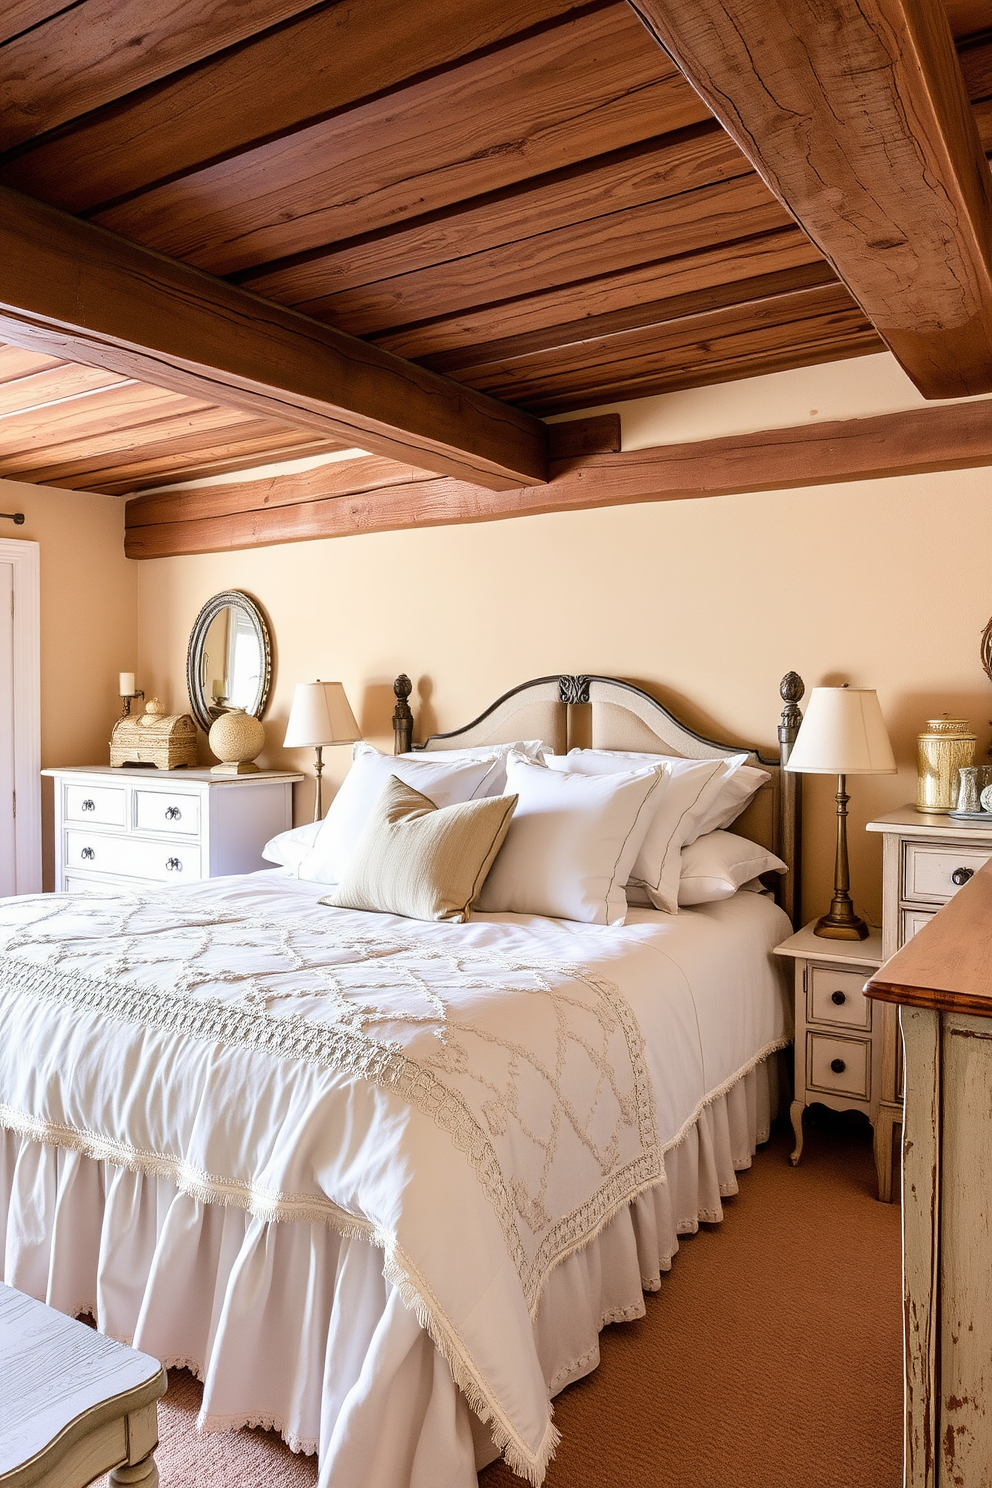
[954, 437]
[856, 116]
[74, 290]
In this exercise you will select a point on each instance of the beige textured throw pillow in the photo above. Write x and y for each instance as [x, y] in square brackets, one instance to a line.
[420, 860]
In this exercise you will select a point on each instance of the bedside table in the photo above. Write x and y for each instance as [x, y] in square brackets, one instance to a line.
[838, 1031]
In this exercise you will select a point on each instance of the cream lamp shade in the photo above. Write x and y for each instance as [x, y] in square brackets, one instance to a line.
[321, 714]
[842, 733]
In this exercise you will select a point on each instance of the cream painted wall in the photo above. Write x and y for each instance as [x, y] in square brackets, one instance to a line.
[884, 584]
[88, 621]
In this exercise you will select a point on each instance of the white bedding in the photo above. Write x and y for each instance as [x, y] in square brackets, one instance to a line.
[331, 1144]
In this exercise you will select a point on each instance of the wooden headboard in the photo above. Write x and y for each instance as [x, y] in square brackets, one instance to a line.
[622, 716]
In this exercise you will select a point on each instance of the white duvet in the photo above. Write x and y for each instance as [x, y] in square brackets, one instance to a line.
[477, 1100]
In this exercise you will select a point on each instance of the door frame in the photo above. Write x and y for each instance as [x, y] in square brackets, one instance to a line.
[25, 556]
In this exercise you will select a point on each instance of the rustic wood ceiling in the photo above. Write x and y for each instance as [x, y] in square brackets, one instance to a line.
[528, 198]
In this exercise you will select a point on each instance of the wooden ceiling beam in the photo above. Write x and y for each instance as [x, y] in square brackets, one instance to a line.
[858, 120]
[325, 60]
[953, 437]
[72, 290]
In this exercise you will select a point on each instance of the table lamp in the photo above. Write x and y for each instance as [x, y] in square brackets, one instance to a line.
[842, 733]
[320, 715]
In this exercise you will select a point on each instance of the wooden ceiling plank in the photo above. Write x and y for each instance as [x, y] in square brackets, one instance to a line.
[655, 313]
[696, 219]
[325, 60]
[49, 388]
[968, 16]
[976, 68]
[72, 289]
[859, 122]
[648, 171]
[16, 363]
[101, 414]
[20, 15]
[590, 85]
[953, 437]
[683, 273]
[88, 54]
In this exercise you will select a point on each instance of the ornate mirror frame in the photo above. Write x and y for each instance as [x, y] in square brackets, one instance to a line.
[239, 600]
[987, 650]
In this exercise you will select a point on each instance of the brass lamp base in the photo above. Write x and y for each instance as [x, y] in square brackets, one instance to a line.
[841, 923]
[841, 929]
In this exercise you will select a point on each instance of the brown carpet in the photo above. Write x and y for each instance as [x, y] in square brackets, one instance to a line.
[771, 1358]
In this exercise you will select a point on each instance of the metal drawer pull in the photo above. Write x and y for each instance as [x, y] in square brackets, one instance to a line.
[87, 854]
[174, 865]
[172, 813]
[838, 1066]
[961, 876]
[838, 997]
[88, 806]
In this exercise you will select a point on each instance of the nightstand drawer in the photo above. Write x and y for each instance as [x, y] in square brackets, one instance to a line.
[171, 862]
[838, 1065]
[911, 920]
[929, 871]
[161, 811]
[99, 805]
[834, 996]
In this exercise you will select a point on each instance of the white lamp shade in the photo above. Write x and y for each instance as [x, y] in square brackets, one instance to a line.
[842, 733]
[321, 714]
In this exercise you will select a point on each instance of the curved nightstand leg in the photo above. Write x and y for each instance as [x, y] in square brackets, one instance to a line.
[885, 1125]
[796, 1112]
[143, 1473]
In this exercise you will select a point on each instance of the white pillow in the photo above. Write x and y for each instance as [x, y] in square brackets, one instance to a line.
[288, 849]
[717, 865]
[443, 780]
[571, 844]
[723, 803]
[496, 783]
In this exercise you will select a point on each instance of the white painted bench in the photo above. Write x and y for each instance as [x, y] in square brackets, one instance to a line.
[73, 1404]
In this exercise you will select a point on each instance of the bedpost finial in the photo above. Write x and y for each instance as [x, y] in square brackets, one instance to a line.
[402, 716]
[792, 687]
[403, 686]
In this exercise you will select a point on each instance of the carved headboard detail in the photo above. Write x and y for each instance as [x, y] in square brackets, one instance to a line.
[626, 717]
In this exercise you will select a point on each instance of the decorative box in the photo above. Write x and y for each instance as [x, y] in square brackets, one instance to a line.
[154, 738]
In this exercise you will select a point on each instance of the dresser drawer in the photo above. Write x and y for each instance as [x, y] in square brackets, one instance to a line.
[173, 862]
[836, 997]
[102, 805]
[167, 811]
[80, 883]
[911, 920]
[929, 871]
[852, 1055]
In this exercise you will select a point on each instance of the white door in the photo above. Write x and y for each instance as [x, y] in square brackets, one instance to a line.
[8, 858]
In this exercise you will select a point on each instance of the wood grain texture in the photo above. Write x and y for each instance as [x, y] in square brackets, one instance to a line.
[946, 438]
[967, 16]
[20, 15]
[96, 51]
[188, 455]
[324, 60]
[860, 123]
[49, 388]
[921, 1242]
[70, 289]
[947, 966]
[592, 84]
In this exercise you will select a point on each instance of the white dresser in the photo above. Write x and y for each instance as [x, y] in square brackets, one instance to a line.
[117, 827]
[927, 857]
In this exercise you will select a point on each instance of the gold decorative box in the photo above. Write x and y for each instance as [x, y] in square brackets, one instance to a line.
[155, 738]
[943, 748]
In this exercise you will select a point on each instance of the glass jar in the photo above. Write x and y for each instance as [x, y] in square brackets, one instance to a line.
[942, 749]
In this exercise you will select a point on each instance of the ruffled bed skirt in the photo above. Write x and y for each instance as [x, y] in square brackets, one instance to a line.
[294, 1327]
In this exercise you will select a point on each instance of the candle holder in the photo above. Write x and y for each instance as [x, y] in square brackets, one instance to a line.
[126, 700]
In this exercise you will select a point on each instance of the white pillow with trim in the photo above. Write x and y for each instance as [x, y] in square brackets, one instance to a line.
[288, 849]
[572, 842]
[534, 749]
[717, 865]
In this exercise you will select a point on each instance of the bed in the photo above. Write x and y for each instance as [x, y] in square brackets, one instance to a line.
[352, 1169]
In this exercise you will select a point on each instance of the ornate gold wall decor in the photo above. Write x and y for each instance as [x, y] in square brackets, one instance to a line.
[943, 748]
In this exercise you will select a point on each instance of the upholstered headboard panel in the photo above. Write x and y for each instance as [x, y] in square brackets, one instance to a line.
[624, 717]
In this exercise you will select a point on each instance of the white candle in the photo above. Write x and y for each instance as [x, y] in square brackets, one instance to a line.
[126, 688]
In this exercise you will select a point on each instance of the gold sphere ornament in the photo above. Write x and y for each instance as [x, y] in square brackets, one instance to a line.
[235, 738]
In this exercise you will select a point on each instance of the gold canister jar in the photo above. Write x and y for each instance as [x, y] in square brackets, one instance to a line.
[943, 748]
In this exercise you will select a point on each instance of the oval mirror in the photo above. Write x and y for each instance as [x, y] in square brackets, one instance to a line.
[229, 661]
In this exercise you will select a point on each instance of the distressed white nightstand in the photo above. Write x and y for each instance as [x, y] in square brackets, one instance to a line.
[114, 828]
[838, 1031]
[926, 858]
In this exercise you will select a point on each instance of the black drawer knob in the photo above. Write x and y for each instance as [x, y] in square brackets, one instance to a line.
[838, 997]
[88, 806]
[838, 1066]
[87, 854]
[174, 865]
[961, 876]
[172, 813]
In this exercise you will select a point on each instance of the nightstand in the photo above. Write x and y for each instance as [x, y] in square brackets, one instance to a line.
[838, 1031]
[926, 858]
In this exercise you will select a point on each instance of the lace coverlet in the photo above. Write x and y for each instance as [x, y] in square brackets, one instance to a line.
[477, 1116]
